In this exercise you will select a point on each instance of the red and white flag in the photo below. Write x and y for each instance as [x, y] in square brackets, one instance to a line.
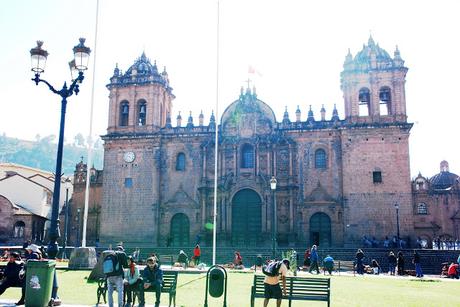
[252, 70]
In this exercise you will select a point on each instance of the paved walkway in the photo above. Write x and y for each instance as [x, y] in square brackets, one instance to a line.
[10, 303]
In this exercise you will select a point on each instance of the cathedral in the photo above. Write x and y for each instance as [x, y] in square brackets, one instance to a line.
[338, 179]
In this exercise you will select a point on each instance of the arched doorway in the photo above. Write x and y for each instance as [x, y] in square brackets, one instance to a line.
[246, 218]
[320, 230]
[180, 230]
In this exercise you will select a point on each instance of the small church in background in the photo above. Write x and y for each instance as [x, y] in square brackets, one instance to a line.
[338, 177]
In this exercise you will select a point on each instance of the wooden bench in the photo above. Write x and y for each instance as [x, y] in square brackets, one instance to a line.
[169, 286]
[166, 259]
[297, 288]
[345, 265]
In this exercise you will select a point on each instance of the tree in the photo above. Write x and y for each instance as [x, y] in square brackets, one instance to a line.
[79, 140]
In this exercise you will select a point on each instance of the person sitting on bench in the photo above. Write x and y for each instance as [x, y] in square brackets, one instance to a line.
[153, 279]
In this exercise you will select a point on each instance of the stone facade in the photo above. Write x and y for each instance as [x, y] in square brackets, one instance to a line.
[18, 225]
[337, 179]
[77, 204]
[436, 205]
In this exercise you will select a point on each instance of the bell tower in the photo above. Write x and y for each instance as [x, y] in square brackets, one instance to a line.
[373, 86]
[140, 98]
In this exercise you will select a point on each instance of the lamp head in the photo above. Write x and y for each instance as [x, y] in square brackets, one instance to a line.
[273, 183]
[38, 57]
[81, 54]
[73, 70]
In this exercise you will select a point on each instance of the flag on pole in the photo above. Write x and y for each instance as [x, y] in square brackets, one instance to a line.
[252, 70]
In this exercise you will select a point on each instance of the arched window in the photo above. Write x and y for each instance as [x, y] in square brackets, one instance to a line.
[124, 113]
[364, 99]
[320, 158]
[385, 101]
[422, 209]
[18, 230]
[141, 112]
[180, 162]
[247, 156]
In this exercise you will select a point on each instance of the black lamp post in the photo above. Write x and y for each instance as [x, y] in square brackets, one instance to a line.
[273, 188]
[38, 57]
[397, 224]
[66, 220]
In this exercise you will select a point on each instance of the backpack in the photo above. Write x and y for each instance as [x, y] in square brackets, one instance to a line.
[111, 265]
[272, 268]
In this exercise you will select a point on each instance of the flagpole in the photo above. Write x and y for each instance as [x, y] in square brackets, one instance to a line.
[90, 138]
[216, 140]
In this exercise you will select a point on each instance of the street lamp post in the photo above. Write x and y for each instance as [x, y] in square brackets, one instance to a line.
[66, 219]
[38, 57]
[397, 224]
[273, 188]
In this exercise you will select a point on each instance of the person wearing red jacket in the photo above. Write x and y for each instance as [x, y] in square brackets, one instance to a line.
[197, 254]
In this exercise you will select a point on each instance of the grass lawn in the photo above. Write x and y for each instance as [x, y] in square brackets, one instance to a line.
[365, 291]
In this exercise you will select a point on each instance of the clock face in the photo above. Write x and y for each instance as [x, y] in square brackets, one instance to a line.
[129, 156]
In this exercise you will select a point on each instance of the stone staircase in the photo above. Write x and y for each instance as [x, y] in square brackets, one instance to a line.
[431, 259]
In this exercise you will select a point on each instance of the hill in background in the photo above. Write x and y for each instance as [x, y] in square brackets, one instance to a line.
[41, 153]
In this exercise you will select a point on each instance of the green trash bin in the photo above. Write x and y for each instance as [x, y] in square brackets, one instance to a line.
[39, 282]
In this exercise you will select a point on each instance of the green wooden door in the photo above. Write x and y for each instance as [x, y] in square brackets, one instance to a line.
[180, 230]
[320, 230]
[246, 218]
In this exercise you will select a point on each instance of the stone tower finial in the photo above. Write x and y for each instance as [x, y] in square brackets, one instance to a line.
[179, 120]
[310, 118]
[297, 114]
[335, 113]
[323, 113]
[190, 121]
[286, 116]
[444, 166]
[168, 120]
[212, 120]
[201, 119]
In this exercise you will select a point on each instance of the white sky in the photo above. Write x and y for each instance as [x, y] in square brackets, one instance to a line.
[298, 46]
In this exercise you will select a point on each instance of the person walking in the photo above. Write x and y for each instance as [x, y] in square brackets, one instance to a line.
[418, 266]
[113, 265]
[306, 258]
[400, 263]
[314, 260]
[391, 263]
[359, 262]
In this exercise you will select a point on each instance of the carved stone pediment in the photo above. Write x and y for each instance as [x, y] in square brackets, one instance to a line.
[181, 199]
[320, 195]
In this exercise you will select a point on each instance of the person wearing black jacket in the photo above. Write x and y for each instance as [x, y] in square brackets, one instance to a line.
[11, 276]
[359, 262]
[152, 276]
[400, 262]
[391, 263]
[418, 266]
